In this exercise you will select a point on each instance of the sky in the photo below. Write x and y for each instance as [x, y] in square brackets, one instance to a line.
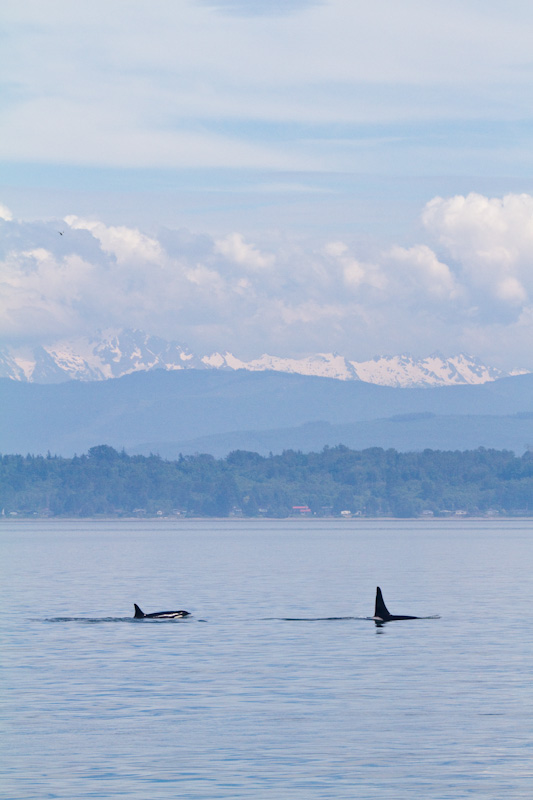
[281, 176]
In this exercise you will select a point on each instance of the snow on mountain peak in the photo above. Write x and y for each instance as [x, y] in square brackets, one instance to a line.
[117, 353]
[434, 370]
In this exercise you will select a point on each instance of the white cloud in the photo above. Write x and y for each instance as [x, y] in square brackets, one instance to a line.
[108, 133]
[206, 279]
[511, 290]
[491, 239]
[178, 84]
[355, 273]
[122, 242]
[236, 249]
[309, 312]
[42, 296]
[5, 213]
[420, 265]
[283, 296]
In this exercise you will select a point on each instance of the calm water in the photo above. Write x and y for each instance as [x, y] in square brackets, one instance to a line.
[238, 702]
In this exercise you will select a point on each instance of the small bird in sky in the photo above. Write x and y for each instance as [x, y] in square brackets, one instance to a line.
[61, 233]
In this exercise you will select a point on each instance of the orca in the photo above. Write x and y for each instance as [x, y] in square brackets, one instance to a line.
[139, 614]
[381, 613]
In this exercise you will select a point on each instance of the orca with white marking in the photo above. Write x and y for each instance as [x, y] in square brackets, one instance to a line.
[139, 614]
[382, 614]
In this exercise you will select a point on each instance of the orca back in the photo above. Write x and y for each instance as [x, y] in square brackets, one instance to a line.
[168, 614]
[139, 614]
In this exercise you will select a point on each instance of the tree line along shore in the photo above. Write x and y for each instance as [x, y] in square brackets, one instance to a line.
[334, 482]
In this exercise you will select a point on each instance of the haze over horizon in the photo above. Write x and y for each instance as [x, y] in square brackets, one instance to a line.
[270, 177]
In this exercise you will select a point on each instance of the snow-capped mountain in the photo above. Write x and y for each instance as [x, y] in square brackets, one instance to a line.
[114, 354]
[111, 355]
[401, 371]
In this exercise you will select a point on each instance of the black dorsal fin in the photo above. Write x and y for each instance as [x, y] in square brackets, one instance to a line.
[381, 610]
[138, 612]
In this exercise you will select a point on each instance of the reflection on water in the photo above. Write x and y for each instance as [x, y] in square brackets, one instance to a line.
[287, 691]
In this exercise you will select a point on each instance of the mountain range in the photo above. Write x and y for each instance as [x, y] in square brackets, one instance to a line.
[114, 354]
[164, 399]
[215, 412]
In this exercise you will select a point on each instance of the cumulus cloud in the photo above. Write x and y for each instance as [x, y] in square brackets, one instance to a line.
[467, 288]
[125, 244]
[41, 295]
[5, 213]
[421, 269]
[355, 272]
[235, 249]
[491, 239]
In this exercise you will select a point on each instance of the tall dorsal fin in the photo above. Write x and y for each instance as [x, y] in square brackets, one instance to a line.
[381, 610]
[138, 612]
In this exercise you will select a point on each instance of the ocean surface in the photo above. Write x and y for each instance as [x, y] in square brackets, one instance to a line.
[258, 694]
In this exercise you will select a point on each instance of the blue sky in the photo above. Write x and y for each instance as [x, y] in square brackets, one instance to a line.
[311, 133]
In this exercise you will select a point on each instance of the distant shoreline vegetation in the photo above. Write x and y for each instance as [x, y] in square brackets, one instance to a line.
[335, 482]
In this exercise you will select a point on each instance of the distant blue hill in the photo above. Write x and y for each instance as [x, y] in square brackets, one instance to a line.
[405, 433]
[163, 409]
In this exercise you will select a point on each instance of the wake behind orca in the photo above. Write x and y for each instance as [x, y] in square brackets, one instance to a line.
[139, 614]
[382, 614]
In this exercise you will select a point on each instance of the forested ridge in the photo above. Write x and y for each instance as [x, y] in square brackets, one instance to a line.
[370, 482]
